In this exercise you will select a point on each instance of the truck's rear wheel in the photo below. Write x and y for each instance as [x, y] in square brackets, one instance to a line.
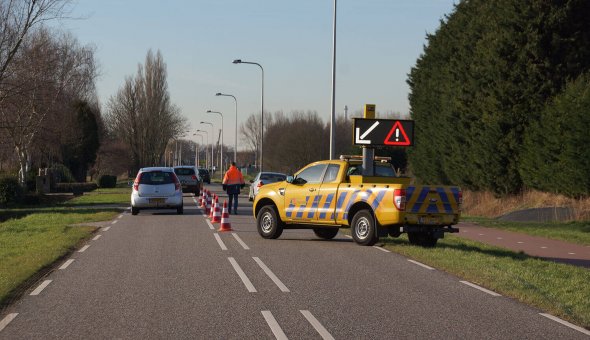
[268, 223]
[326, 233]
[424, 239]
[363, 228]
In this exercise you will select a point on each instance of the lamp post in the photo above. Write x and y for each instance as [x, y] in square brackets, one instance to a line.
[333, 104]
[197, 160]
[221, 153]
[207, 135]
[236, 130]
[212, 158]
[239, 61]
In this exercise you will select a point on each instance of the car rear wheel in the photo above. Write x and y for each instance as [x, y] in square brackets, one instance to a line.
[326, 233]
[363, 228]
[134, 211]
[268, 223]
[180, 210]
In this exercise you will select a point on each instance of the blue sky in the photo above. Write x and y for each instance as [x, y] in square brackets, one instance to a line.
[378, 41]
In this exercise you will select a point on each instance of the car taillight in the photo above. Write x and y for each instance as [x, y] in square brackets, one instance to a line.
[260, 184]
[136, 182]
[194, 177]
[399, 199]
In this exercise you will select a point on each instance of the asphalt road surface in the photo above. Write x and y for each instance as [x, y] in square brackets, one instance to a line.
[159, 275]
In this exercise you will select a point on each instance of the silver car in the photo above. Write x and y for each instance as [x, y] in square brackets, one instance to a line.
[189, 179]
[156, 188]
[264, 178]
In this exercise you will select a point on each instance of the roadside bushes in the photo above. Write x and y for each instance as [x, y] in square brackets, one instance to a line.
[107, 181]
[10, 190]
[75, 187]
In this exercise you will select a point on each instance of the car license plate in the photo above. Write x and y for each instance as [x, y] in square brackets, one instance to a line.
[429, 220]
[156, 200]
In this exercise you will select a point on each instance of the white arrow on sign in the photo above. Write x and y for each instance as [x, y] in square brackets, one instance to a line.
[360, 139]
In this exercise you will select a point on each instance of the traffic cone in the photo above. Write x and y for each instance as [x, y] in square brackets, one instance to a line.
[207, 206]
[200, 201]
[213, 206]
[216, 213]
[225, 224]
[204, 199]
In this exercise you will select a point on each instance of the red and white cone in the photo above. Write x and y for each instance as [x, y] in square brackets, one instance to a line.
[207, 203]
[225, 224]
[205, 198]
[213, 206]
[216, 212]
[200, 202]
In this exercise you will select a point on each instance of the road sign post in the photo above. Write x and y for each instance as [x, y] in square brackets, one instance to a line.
[368, 152]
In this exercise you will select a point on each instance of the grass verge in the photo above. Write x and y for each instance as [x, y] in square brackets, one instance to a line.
[575, 232]
[102, 196]
[37, 239]
[559, 289]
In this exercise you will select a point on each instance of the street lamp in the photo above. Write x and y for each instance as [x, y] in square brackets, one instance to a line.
[239, 61]
[236, 131]
[207, 134]
[197, 150]
[221, 154]
[212, 158]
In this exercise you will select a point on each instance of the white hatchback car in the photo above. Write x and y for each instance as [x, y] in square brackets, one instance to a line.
[156, 188]
[264, 178]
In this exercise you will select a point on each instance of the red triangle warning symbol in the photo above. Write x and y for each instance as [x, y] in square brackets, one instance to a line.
[397, 136]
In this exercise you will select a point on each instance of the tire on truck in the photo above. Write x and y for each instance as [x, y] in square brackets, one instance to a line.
[363, 228]
[268, 222]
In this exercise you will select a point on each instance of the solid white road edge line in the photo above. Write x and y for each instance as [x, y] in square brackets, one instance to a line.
[220, 242]
[96, 237]
[66, 264]
[42, 286]
[382, 249]
[317, 325]
[83, 249]
[7, 320]
[565, 323]
[106, 228]
[272, 276]
[421, 264]
[210, 225]
[274, 325]
[242, 275]
[240, 241]
[480, 288]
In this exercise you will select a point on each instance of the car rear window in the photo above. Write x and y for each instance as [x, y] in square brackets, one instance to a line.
[271, 178]
[156, 177]
[203, 172]
[184, 171]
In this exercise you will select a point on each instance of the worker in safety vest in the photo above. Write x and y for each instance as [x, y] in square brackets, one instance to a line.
[233, 181]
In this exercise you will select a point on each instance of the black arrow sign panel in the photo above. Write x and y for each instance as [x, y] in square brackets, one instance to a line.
[383, 132]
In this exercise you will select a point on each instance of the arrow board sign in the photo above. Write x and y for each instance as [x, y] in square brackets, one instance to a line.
[383, 132]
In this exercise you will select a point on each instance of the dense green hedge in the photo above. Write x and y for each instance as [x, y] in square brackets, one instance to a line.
[10, 190]
[484, 97]
[75, 187]
[107, 181]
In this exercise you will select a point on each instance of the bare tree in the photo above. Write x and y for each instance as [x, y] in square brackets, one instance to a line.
[142, 114]
[250, 134]
[47, 74]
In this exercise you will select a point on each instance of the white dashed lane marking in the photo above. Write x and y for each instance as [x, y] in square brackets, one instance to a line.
[220, 241]
[317, 325]
[7, 320]
[520, 242]
[115, 222]
[244, 245]
[565, 323]
[480, 288]
[96, 237]
[421, 264]
[272, 276]
[210, 225]
[42, 286]
[66, 264]
[242, 275]
[106, 228]
[83, 249]
[382, 249]
[274, 325]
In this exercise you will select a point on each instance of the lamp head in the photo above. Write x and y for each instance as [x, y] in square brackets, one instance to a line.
[237, 61]
[218, 94]
[209, 111]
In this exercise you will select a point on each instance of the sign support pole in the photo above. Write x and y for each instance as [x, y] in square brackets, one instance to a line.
[368, 152]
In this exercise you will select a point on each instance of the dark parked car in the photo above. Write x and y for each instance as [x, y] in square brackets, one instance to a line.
[189, 178]
[204, 173]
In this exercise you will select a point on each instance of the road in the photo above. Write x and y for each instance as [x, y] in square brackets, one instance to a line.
[161, 275]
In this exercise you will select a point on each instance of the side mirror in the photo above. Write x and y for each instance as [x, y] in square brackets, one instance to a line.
[289, 179]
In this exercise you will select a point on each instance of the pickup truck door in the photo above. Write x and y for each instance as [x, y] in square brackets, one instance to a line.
[301, 193]
[326, 198]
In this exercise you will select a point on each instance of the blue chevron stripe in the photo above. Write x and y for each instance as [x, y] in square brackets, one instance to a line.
[314, 206]
[326, 206]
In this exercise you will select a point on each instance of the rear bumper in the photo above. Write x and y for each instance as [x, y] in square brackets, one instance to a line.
[156, 202]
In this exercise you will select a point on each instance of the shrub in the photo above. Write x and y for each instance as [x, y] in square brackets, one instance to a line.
[10, 190]
[75, 187]
[61, 173]
[107, 181]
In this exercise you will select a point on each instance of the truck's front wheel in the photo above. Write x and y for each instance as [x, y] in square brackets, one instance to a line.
[423, 239]
[268, 223]
[363, 228]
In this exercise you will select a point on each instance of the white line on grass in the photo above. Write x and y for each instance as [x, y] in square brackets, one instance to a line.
[66, 264]
[565, 323]
[83, 249]
[96, 237]
[42, 286]
[242, 275]
[382, 249]
[220, 242]
[240, 241]
[210, 225]
[7, 320]
[317, 325]
[274, 325]
[272, 276]
[480, 288]
[421, 264]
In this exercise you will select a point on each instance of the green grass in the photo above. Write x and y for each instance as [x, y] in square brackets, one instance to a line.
[575, 232]
[559, 289]
[36, 239]
[102, 196]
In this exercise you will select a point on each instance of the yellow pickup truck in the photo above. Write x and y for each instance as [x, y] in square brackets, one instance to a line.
[328, 195]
